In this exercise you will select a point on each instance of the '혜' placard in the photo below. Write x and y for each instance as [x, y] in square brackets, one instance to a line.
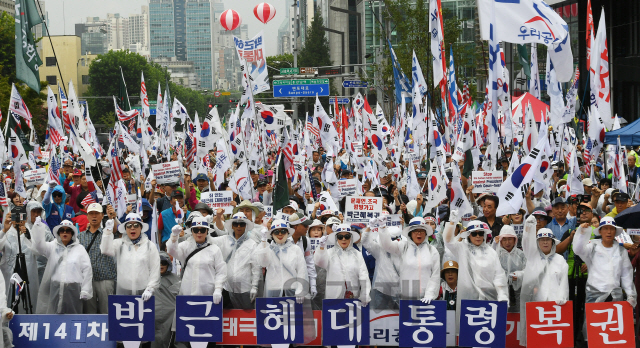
[279, 321]
[361, 209]
[218, 199]
[166, 172]
[486, 182]
[198, 319]
[344, 322]
[131, 318]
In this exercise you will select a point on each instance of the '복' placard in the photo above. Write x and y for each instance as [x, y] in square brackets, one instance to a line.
[61, 331]
[549, 325]
[361, 209]
[344, 322]
[279, 321]
[484, 323]
[131, 319]
[198, 319]
[423, 325]
[218, 199]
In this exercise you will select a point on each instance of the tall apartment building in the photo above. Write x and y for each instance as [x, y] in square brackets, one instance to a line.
[138, 29]
[117, 32]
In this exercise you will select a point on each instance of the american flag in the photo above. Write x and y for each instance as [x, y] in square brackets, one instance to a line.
[54, 168]
[92, 197]
[289, 155]
[66, 120]
[125, 115]
[132, 129]
[587, 157]
[116, 166]
[312, 128]
[3, 196]
[189, 143]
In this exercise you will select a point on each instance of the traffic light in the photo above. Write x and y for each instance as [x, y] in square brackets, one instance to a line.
[210, 106]
[230, 100]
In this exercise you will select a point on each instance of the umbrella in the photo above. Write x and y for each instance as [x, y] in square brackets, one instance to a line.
[628, 218]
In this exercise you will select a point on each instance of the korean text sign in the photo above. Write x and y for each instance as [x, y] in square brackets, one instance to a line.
[166, 172]
[423, 325]
[131, 318]
[361, 209]
[484, 323]
[549, 325]
[344, 322]
[610, 324]
[198, 319]
[279, 320]
[55, 331]
[218, 199]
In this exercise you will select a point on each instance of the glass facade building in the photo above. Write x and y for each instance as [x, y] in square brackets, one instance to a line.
[198, 39]
[162, 29]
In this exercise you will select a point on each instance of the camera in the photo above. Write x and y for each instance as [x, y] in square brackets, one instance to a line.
[19, 214]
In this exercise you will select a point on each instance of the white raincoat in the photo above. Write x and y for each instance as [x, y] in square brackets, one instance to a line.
[420, 270]
[41, 260]
[546, 277]
[284, 263]
[9, 249]
[68, 274]
[138, 265]
[512, 262]
[609, 272]
[480, 276]
[206, 271]
[386, 277]
[345, 267]
[243, 272]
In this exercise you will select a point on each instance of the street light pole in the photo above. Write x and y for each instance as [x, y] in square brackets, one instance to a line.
[295, 51]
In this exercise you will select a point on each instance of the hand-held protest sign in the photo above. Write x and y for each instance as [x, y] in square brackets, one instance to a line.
[484, 323]
[60, 331]
[549, 325]
[131, 318]
[218, 199]
[610, 324]
[423, 325]
[347, 187]
[279, 321]
[344, 322]
[486, 182]
[166, 172]
[198, 319]
[35, 177]
[361, 209]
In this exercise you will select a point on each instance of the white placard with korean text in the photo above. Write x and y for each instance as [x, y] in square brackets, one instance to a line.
[361, 209]
[218, 199]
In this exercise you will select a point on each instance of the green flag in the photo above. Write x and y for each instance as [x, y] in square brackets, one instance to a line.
[16, 125]
[27, 59]
[524, 59]
[123, 96]
[281, 191]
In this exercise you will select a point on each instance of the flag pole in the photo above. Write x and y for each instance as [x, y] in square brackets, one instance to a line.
[46, 27]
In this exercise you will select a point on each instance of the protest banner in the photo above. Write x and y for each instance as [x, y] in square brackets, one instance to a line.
[394, 220]
[166, 173]
[61, 331]
[486, 182]
[314, 243]
[44, 156]
[633, 231]
[347, 187]
[357, 148]
[513, 325]
[268, 212]
[132, 199]
[218, 199]
[549, 325]
[35, 177]
[361, 209]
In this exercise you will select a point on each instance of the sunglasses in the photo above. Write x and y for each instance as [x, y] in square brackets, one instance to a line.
[238, 224]
[279, 232]
[57, 194]
[419, 231]
[65, 230]
[199, 230]
[476, 234]
[132, 225]
[343, 236]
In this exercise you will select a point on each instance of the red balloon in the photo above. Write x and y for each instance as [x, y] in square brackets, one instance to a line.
[264, 12]
[230, 19]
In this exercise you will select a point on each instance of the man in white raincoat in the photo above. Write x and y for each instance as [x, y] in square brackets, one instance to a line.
[546, 276]
[480, 276]
[68, 275]
[243, 271]
[513, 262]
[347, 275]
[137, 257]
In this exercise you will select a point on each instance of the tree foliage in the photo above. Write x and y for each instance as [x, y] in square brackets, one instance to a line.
[315, 51]
[104, 79]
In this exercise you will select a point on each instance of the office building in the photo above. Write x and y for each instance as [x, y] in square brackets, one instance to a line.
[198, 39]
[138, 29]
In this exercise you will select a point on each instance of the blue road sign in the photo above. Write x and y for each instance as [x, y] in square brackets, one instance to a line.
[354, 84]
[301, 88]
[340, 100]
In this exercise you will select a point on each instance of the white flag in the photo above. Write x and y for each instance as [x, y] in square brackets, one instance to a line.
[328, 133]
[530, 130]
[241, 183]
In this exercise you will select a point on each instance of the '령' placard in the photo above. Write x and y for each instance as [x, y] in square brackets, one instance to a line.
[486, 182]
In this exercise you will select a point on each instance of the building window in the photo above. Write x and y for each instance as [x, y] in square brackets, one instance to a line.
[52, 80]
[85, 79]
[51, 61]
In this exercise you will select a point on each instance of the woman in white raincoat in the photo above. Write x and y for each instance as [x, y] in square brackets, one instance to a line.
[286, 268]
[546, 276]
[347, 275]
[68, 276]
[610, 271]
[480, 276]
[513, 262]
[9, 252]
[137, 257]
[243, 271]
[420, 261]
[204, 271]
[386, 276]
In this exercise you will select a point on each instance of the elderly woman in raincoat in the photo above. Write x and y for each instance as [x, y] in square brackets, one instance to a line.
[68, 276]
[513, 262]
[545, 277]
[136, 256]
[347, 275]
[204, 271]
[420, 261]
[480, 276]
[610, 271]
[286, 268]
[243, 271]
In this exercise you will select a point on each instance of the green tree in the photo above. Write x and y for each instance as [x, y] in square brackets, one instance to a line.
[315, 51]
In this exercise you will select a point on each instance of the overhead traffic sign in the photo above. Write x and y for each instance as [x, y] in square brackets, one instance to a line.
[225, 93]
[308, 70]
[300, 88]
[341, 100]
[354, 84]
[289, 71]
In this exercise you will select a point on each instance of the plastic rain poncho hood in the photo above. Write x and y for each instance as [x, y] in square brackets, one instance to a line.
[511, 261]
[386, 277]
[284, 262]
[243, 271]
